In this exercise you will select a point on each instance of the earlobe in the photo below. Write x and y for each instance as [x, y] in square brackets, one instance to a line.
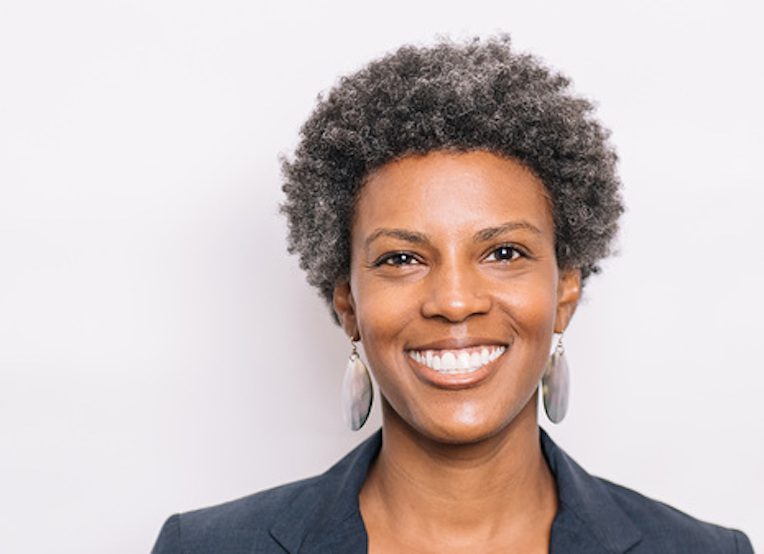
[344, 307]
[568, 295]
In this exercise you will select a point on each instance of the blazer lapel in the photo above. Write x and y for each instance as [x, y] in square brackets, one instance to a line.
[588, 520]
[326, 516]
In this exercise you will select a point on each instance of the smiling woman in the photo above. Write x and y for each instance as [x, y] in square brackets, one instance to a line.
[452, 259]
[449, 203]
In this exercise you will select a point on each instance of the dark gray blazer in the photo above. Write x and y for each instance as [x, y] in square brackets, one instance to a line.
[321, 514]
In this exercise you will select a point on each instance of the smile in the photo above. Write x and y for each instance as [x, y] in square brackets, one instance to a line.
[462, 360]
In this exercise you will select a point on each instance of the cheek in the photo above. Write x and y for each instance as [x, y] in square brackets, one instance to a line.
[531, 303]
[385, 313]
[382, 311]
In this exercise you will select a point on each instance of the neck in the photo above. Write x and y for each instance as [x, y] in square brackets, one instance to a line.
[470, 491]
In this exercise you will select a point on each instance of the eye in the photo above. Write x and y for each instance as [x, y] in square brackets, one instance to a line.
[505, 253]
[396, 259]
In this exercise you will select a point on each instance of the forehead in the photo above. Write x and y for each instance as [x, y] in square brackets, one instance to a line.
[446, 190]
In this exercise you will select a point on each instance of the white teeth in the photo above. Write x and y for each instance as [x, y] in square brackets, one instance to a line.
[448, 361]
[464, 360]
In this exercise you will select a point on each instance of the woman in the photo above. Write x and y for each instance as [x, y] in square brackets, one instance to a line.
[450, 203]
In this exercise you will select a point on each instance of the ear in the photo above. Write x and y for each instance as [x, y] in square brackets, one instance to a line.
[344, 307]
[568, 295]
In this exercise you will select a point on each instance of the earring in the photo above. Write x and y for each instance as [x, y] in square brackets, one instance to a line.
[357, 391]
[555, 384]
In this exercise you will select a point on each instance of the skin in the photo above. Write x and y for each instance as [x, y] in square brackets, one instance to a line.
[451, 250]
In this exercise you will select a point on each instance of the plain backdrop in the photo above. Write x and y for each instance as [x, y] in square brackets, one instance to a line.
[160, 351]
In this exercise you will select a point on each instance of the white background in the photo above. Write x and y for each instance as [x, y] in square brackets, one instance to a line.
[159, 351]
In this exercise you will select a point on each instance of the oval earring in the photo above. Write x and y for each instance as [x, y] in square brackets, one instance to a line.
[357, 391]
[555, 384]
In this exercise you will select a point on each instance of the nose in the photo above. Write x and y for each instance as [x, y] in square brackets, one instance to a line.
[454, 293]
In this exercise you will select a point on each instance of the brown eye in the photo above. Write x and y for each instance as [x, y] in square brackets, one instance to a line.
[504, 253]
[397, 259]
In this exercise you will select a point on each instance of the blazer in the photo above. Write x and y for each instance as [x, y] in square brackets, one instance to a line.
[321, 515]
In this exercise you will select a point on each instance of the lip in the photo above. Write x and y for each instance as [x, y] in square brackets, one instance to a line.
[457, 343]
[455, 381]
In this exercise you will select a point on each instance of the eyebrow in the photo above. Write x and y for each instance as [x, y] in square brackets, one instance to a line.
[492, 232]
[483, 235]
[401, 234]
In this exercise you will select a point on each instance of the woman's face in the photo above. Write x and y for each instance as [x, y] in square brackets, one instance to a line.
[454, 290]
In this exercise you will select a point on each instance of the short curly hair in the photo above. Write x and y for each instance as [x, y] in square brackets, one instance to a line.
[476, 95]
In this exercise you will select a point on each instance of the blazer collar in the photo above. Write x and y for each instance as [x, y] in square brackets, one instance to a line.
[588, 518]
[325, 516]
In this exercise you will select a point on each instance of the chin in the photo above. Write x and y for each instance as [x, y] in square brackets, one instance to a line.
[463, 436]
[471, 423]
[462, 430]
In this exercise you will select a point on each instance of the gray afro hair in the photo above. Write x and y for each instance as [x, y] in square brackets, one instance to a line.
[478, 95]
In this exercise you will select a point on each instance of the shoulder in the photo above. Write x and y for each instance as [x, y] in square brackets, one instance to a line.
[234, 526]
[605, 516]
[666, 529]
[259, 510]
[277, 519]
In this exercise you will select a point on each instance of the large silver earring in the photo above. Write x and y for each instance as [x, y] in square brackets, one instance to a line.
[555, 384]
[357, 392]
